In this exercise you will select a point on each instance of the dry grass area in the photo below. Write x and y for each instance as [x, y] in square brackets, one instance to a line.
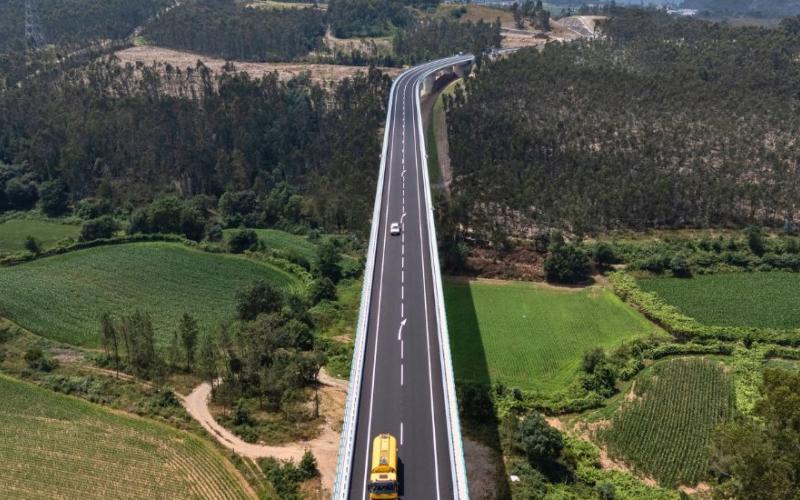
[149, 54]
[477, 13]
[373, 45]
[271, 4]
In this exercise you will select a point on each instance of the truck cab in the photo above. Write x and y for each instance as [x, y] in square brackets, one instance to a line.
[383, 483]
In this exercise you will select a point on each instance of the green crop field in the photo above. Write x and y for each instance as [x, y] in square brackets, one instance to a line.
[734, 299]
[664, 431]
[55, 446]
[532, 337]
[276, 239]
[61, 297]
[14, 232]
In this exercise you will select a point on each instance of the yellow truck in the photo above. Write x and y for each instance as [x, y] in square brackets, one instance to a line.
[383, 475]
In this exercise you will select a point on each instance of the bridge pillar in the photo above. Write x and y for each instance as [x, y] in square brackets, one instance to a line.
[427, 84]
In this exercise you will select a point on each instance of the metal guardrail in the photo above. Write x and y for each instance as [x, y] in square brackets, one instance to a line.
[347, 440]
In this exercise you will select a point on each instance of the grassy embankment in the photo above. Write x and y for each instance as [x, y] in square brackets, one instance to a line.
[55, 446]
[533, 337]
[46, 232]
[734, 299]
[61, 297]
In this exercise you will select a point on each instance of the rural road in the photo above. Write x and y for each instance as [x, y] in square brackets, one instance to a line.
[402, 390]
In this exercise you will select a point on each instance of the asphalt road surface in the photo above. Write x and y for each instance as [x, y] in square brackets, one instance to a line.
[401, 386]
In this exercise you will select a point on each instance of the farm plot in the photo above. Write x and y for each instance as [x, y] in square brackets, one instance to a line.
[767, 300]
[54, 446]
[532, 337]
[13, 233]
[663, 429]
[61, 297]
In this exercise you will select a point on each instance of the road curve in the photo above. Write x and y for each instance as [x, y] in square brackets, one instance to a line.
[402, 389]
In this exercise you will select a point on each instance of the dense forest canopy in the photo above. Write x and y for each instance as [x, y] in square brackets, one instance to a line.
[75, 21]
[230, 31]
[427, 40]
[666, 122]
[131, 133]
[366, 18]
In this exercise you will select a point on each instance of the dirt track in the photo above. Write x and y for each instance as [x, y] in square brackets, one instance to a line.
[325, 447]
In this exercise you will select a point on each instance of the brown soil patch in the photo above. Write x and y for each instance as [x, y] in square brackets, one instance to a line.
[631, 396]
[518, 264]
[556, 423]
[67, 356]
[700, 488]
[483, 467]
[518, 40]
[148, 54]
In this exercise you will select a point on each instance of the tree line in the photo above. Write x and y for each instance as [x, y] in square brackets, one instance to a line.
[665, 122]
[126, 135]
[229, 30]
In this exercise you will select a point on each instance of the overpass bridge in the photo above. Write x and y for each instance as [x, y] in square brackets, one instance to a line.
[401, 380]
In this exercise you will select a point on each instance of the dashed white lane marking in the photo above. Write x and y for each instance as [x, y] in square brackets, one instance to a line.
[402, 312]
[402, 348]
[403, 262]
[401, 433]
[402, 292]
[401, 374]
[402, 276]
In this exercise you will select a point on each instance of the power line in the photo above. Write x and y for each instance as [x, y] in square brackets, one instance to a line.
[34, 37]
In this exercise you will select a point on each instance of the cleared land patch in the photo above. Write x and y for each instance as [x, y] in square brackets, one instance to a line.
[13, 233]
[54, 446]
[532, 337]
[149, 54]
[62, 297]
[663, 429]
[767, 300]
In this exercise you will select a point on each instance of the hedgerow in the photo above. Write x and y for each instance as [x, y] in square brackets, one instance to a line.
[685, 328]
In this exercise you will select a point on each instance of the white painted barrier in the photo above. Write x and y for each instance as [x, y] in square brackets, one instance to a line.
[347, 440]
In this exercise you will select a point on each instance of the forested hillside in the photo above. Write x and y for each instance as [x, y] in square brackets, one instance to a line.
[128, 134]
[224, 29]
[426, 40]
[75, 21]
[665, 123]
[365, 18]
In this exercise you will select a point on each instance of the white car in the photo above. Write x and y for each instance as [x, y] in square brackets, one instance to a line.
[394, 228]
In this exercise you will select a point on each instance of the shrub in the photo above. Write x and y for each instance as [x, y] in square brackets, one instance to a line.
[32, 245]
[54, 197]
[680, 267]
[37, 360]
[322, 289]
[537, 440]
[260, 298]
[604, 255]
[567, 264]
[101, 228]
[308, 465]
[242, 240]
[21, 194]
